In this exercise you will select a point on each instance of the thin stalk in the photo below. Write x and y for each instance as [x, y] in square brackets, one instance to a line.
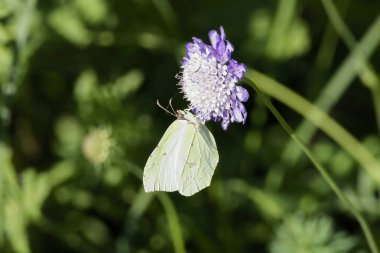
[72, 239]
[281, 22]
[326, 53]
[170, 212]
[336, 86]
[174, 225]
[24, 17]
[365, 70]
[376, 104]
[167, 12]
[320, 119]
[329, 180]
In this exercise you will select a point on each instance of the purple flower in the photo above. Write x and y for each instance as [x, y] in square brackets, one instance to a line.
[208, 80]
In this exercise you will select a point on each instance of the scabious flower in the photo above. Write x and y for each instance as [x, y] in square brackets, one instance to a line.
[208, 79]
[96, 146]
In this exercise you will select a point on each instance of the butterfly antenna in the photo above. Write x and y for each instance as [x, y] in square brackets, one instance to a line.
[171, 106]
[166, 110]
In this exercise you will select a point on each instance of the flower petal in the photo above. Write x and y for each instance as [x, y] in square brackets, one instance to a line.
[221, 48]
[229, 46]
[238, 115]
[198, 42]
[243, 111]
[225, 115]
[222, 33]
[227, 56]
[237, 69]
[214, 38]
[184, 60]
[189, 46]
[225, 124]
[242, 94]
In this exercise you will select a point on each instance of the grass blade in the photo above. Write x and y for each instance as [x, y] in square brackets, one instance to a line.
[335, 88]
[365, 70]
[320, 119]
[355, 212]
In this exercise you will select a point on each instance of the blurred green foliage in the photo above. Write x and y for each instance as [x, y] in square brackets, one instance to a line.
[301, 234]
[79, 80]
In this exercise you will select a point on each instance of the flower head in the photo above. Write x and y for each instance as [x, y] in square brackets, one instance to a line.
[208, 80]
[96, 146]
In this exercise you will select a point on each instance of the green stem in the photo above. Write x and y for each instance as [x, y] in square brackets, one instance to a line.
[336, 86]
[365, 70]
[281, 22]
[352, 208]
[321, 120]
[170, 211]
[72, 239]
[376, 103]
[24, 16]
[174, 225]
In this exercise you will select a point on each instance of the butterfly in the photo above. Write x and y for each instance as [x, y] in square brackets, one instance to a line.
[185, 158]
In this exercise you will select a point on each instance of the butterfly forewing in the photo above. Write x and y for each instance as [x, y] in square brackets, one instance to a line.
[164, 166]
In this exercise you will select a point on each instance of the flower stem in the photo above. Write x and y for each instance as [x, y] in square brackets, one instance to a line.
[169, 208]
[329, 180]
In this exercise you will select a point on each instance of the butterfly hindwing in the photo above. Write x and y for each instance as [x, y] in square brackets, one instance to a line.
[201, 162]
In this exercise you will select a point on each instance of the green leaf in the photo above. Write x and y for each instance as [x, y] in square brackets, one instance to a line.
[93, 11]
[6, 8]
[69, 26]
[6, 58]
[35, 189]
[127, 84]
[15, 223]
[279, 37]
[300, 234]
[69, 136]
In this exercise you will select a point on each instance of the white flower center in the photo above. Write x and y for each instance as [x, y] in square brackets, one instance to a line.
[206, 84]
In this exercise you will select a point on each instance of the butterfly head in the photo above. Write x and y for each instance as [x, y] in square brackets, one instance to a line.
[188, 116]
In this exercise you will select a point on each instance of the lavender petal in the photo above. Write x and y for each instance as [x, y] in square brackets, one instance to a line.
[225, 124]
[238, 115]
[221, 48]
[214, 38]
[242, 94]
[237, 69]
[243, 111]
[222, 33]
[229, 46]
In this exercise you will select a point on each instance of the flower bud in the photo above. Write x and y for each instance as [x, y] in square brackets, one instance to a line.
[96, 146]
